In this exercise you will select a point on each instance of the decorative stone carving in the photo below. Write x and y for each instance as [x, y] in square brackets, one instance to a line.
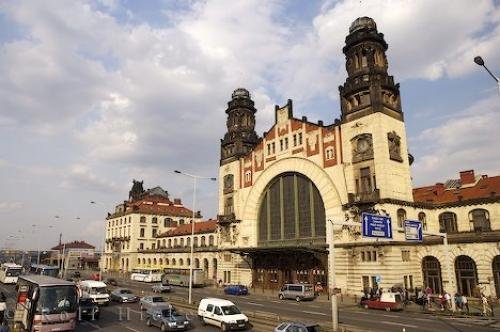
[362, 147]
[394, 146]
[228, 183]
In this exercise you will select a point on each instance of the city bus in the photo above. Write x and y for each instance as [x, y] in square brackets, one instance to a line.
[146, 275]
[45, 304]
[9, 272]
[180, 277]
[45, 270]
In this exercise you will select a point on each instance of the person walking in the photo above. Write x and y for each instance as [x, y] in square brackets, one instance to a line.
[486, 307]
[3, 306]
[465, 303]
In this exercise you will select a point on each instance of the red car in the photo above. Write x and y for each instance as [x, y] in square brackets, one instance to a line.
[95, 277]
[387, 301]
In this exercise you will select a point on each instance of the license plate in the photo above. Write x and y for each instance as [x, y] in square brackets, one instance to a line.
[241, 325]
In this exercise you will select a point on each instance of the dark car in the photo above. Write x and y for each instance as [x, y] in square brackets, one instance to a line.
[88, 308]
[298, 327]
[167, 319]
[110, 282]
[236, 290]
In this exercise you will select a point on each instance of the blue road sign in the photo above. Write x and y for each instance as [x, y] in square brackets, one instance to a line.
[375, 225]
[413, 230]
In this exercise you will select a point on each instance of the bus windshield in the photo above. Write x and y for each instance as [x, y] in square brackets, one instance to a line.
[99, 290]
[56, 300]
[13, 272]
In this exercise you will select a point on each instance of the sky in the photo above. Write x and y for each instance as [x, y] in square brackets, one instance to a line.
[95, 93]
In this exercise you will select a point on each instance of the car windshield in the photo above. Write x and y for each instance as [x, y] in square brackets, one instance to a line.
[308, 288]
[126, 291]
[99, 290]
[315, 328]
[169, 313]
[158, 299]
[230, 310]
[13, 272]
[56, 300]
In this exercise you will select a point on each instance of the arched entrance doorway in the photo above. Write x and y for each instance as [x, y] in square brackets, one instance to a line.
[496, 274]
[466, 272]
[431, 270]
[291, 233]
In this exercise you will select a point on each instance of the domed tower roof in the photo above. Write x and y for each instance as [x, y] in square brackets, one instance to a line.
[361, 23]
[240, 93]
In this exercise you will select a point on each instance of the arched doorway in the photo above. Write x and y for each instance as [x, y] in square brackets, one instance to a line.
[431, 270]
[196, 263]
[496, 274]
[466, 272]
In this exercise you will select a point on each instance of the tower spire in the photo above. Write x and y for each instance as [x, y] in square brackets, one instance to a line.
[368, 87]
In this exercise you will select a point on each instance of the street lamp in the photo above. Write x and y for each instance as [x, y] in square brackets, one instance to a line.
[479, 61]
[103, 256]
[194, 177]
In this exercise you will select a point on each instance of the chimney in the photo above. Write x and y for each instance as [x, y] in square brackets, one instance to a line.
[177, 201]
[467, 177]
[320, 123]
[304, 119]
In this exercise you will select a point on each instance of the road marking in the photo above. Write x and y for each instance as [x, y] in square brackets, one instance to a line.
[422, 319]
[253, 303]
[399, 324]
[131, 328]
[315, 313]
[390, 316]
[91, 324]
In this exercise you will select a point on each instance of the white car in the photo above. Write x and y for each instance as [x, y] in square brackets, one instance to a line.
[160, 288]
[148, 302]
[222, 313]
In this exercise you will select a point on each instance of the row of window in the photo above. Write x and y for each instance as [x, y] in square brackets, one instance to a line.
[173, 262]
[181, 243]
[167, 222]
[297, 141]
[369, 256]
[479, 220]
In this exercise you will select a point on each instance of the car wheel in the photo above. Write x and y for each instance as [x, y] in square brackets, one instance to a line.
[223, 327]
[148, 321]
[281, 297]
[297, 299]
[388, 309]
[163, 328]
[96, 316]
[365, 306]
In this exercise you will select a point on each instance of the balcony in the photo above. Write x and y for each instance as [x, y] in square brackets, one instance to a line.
[116, 239]
[227, 219]
[362, 198]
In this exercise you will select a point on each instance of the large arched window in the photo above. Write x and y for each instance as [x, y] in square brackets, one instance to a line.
[401, 217]
[211, 240]
[291, 209]
[423, 219]
[480, 220]
[202, 241]
[466, 272]
[448, 222]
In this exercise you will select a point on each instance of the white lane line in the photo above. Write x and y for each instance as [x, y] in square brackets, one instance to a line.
[315, 313]
[390, 316]
[399, 324]
[422, 319]
[91, 324]
[136, 311]
[253, 303]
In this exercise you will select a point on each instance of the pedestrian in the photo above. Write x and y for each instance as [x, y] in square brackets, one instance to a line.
[447, 301]
[458, 301]
[3, 306]
[486, 307]
[465, 303]
[4, 327]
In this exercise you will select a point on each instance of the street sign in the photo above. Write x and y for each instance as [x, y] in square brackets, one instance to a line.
[413, 230]
[375, 225]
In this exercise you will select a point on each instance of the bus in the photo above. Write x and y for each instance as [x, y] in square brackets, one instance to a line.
[45, 304]
[45, 270]
[146, 275]
[9, 272]
[180, 277]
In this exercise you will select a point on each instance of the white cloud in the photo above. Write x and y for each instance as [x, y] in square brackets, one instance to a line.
[469, 140]
[6, 207]
[81, 177]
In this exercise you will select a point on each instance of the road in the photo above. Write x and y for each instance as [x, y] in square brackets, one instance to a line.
[128, 317]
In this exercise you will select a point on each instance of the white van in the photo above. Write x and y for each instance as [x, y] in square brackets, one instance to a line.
[96, 290]
[222, 313]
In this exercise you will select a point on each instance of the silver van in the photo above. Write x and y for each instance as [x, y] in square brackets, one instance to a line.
[298, 292]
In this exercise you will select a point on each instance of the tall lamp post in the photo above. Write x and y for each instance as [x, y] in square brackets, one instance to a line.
[479, 61]
[195, 178]
[103, 256]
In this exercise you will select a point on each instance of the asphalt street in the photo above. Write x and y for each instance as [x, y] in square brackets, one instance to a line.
[128, 317]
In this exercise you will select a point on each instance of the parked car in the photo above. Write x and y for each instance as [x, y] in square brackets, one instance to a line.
[123, 295]
[298, 292]
[236, 290]
[167, 319]
[88, 308]
[222, 313]
[161, 288]
[110, 282]
[297, 327]
[96, 290]
[388, 301]
[148, 302]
